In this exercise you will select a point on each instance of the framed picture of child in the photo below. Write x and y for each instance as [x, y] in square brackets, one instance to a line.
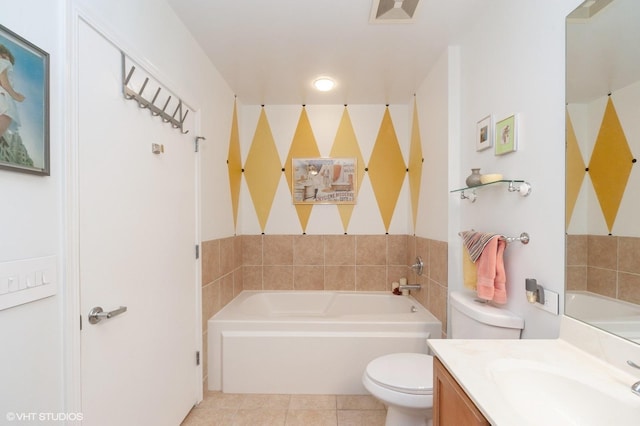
[24, 105]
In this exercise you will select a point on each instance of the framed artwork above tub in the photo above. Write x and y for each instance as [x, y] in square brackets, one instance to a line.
[324, 180]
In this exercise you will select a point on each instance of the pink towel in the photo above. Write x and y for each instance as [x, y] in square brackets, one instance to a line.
[491, 283]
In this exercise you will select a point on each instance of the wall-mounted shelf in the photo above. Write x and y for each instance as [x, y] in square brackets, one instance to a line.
[514, 185]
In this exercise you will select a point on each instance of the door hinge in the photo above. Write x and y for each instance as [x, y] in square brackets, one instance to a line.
[197, 251]
[197, 357]
[80, 322]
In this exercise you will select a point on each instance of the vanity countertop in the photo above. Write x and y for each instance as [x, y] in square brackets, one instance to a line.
[474, 364]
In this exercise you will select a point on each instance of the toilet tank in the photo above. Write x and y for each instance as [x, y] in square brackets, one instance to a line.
[473, 319]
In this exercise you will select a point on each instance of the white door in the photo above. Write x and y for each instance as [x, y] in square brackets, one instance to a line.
[137, 214]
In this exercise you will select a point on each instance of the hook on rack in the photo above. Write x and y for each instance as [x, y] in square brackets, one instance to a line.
[177, 119]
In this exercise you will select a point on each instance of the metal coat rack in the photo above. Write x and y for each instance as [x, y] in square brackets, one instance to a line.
[175, 118]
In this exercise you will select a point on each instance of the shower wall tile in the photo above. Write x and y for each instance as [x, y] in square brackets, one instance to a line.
[371, 249]
[308, 250]
[251, 250]
[628, 259]
[278, 277]
[602, 281]
[602, 251]
[397, 249]
[227, 261]
[340, 250]
[210, 261]
[308, 277]
[438, 262]
[372, 278]
[252, 277]
[278, 249]
[629, 287]
[340, 277]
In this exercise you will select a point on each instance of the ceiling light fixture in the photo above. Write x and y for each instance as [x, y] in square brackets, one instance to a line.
[324, 84]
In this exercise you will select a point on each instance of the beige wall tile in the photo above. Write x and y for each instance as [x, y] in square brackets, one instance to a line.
[397, 249]
[629, 287]
[576, 250]
[438, 262]
[372, 278]
[237, 252]
[308, 250]
[422, 250]
[601, 281]
[438, 298]
[210, 261]
[278, 277]
[394, 273]
[252, 278]
[628, 249]
[308, 277]
[226, 290]
[340, 249]
[278, 250]
[342, 278]
[251, 250]
[371, 249]
[602, 251]
[576, 278]
[411, 249]
[210, 301]
[226, 255]
[238, 285]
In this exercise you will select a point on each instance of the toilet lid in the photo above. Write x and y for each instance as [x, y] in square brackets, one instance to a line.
[404, 372]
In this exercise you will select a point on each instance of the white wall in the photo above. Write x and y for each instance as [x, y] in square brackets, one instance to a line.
[513, 61]
[149, 30]
[31, 217]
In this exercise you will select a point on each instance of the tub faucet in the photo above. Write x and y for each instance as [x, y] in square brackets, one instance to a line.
[635, 388]
[410, 287]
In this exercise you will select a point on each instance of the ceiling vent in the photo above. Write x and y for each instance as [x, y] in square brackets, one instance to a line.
[393, 11]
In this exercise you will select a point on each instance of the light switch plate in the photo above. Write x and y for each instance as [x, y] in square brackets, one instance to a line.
[26, 280]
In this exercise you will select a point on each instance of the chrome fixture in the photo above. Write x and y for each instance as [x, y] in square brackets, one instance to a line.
[410, 287]
[635, 388]
[97, 314]
[524, 189]
[418, 267]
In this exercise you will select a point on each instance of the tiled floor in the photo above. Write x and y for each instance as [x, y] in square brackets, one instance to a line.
[286, 410]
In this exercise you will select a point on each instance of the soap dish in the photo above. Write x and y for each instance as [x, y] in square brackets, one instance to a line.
[490, 178]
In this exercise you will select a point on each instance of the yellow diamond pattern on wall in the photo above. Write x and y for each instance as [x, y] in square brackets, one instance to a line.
[575, 170]
[610, 164]
[234, 165]
[345, 144]
[303, 145]
[387, 169]
[263, 169]
[415, 164]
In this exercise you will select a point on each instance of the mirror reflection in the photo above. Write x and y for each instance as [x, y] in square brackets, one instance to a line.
[603, 185]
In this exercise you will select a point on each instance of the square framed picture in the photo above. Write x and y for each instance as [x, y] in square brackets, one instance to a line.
[506, 136]
[484, 133]
[324, 180]
[24, 105]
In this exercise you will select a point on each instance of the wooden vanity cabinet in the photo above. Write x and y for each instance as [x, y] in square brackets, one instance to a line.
[451, 405]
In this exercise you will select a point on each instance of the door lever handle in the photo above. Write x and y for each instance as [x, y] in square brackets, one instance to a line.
[97, 314]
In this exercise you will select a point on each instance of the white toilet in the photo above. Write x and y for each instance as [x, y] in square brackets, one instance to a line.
[404, 381]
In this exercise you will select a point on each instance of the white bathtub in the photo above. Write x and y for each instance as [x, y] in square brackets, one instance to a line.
[311, 342]
[613, 315]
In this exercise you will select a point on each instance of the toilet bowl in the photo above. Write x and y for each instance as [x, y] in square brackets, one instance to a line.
[404, 383]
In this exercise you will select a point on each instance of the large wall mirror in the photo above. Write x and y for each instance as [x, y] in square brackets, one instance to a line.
[602, 175]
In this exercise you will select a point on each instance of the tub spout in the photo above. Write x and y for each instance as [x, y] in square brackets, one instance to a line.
[410, 287]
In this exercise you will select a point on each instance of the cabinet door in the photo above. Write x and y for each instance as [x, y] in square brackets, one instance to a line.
[451, 405]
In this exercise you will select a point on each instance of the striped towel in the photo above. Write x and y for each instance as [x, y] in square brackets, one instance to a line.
[476, 242]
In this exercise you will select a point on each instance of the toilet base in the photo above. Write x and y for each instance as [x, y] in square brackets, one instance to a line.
[401, 416]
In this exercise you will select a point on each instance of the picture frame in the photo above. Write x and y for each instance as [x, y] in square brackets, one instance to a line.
[484, 133]
[324, 180]
[506, 135]
[24, 108]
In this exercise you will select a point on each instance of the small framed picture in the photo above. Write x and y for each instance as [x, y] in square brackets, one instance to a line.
[506, 136]
[24, 105]
[324, 180]
[484, 133]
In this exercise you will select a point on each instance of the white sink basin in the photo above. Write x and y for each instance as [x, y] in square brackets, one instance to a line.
[549, 395]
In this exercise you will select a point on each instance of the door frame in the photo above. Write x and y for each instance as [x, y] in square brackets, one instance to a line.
[71, 309]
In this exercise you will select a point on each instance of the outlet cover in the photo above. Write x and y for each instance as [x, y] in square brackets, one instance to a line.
[550, 302]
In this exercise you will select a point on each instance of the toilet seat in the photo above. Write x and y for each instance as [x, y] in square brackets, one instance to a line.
[409, 373]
